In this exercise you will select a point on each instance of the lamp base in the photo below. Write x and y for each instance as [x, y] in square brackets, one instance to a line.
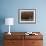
[9, 33]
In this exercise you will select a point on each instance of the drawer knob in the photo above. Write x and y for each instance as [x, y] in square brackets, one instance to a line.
[33, 42]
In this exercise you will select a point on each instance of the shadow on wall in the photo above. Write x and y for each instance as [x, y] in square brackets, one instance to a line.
[2, 21]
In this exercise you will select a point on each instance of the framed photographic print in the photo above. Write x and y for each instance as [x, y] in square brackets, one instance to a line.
[27, 16]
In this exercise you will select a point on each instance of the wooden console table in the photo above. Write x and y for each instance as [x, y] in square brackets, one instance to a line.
[20, 39]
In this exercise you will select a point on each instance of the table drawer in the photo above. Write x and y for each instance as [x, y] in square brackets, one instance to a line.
[13, 43]
[33, 43]
[33, 37]
[16, 37]
[9, 42]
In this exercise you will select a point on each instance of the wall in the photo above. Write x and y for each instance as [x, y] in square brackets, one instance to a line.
[9, 8]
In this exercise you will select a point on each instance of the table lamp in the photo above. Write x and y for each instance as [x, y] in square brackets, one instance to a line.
[9, 21]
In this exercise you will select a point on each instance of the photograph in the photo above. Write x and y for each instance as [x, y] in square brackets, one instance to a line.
[27, 16]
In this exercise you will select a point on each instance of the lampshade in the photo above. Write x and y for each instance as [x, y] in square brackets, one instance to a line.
[9, 21]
